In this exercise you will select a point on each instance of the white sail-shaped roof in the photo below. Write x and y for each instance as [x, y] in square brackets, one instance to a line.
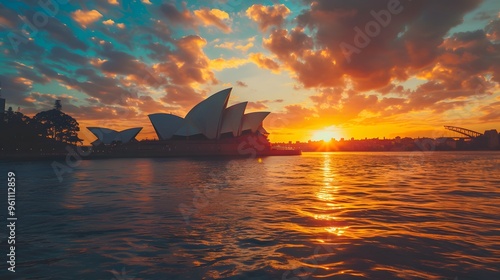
[104, 135]
[165, 125]
[127, 135]
[107, 136]
[187, 129]
[252, 121]
[231, 120]
[263, 131]
[207, 115]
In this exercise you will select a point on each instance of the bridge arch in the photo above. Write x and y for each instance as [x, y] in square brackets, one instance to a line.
[464, 131]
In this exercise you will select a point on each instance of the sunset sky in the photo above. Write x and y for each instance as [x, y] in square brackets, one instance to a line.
[354, 68]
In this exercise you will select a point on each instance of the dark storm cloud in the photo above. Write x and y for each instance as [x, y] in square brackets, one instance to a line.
[106, 89]
[493, 30]
[408, 38]
[467, 57]
[27, 72]
[155, 30]
[62, 33]
[175, 16]
[31, 23]
[183, 96]
[8, 17]
[63, 55]
[412, 39]
[15, 89]
[158, 51]
[120, 63]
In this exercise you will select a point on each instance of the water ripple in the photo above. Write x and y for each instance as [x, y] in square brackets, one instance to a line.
[318, 216]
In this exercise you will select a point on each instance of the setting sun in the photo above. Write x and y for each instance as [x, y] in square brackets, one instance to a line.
[326, 134]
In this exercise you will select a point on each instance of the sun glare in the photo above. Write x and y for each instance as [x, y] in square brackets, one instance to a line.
[326, 134]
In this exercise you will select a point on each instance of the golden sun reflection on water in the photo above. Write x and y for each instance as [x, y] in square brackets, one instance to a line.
[327, 194]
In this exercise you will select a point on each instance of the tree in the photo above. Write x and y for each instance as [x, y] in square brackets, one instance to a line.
[54, 124]
[58, 105]
[16, 129]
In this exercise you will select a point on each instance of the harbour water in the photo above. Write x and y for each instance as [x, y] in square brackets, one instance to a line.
[386, 215]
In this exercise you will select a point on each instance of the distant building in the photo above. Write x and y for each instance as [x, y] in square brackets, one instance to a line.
[2, 101]
[2, 105]
[492, 138]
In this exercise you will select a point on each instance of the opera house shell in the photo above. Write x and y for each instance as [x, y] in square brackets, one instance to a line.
[210, 119]
[108, 136]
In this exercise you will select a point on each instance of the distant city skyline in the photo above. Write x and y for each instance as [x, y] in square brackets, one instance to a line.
[325, 69]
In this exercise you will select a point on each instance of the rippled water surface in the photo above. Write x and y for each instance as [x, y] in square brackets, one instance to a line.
[319, 215]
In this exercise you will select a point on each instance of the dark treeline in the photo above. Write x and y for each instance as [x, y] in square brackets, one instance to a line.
[46, 130]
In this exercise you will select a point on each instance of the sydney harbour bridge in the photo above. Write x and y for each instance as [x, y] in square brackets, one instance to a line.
[464, 131]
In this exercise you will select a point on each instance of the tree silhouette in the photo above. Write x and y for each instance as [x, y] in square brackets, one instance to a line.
[54, 124]
[58, 105]
[16, 128]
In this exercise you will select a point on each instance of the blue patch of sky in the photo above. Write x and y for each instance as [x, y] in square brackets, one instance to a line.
[473, 21]
[412, 83]
[274, 86]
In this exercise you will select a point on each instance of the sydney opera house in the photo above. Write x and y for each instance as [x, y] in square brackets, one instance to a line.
[209, 128]
[210, 119]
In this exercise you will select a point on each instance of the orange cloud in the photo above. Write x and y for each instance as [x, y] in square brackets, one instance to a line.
[108, 22]
[267, 16]
[205, 17]
[219, 64]
[111, 22]
[237, 45]
[256, 105]
[491, 112]
[214, 17]
[493, 30]
[260, 104]
[265, 62]
[226, 45]
[85, 18]
[247, 46]
[188, 64]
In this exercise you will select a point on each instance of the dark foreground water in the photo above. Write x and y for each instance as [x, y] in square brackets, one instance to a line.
[316, 216]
